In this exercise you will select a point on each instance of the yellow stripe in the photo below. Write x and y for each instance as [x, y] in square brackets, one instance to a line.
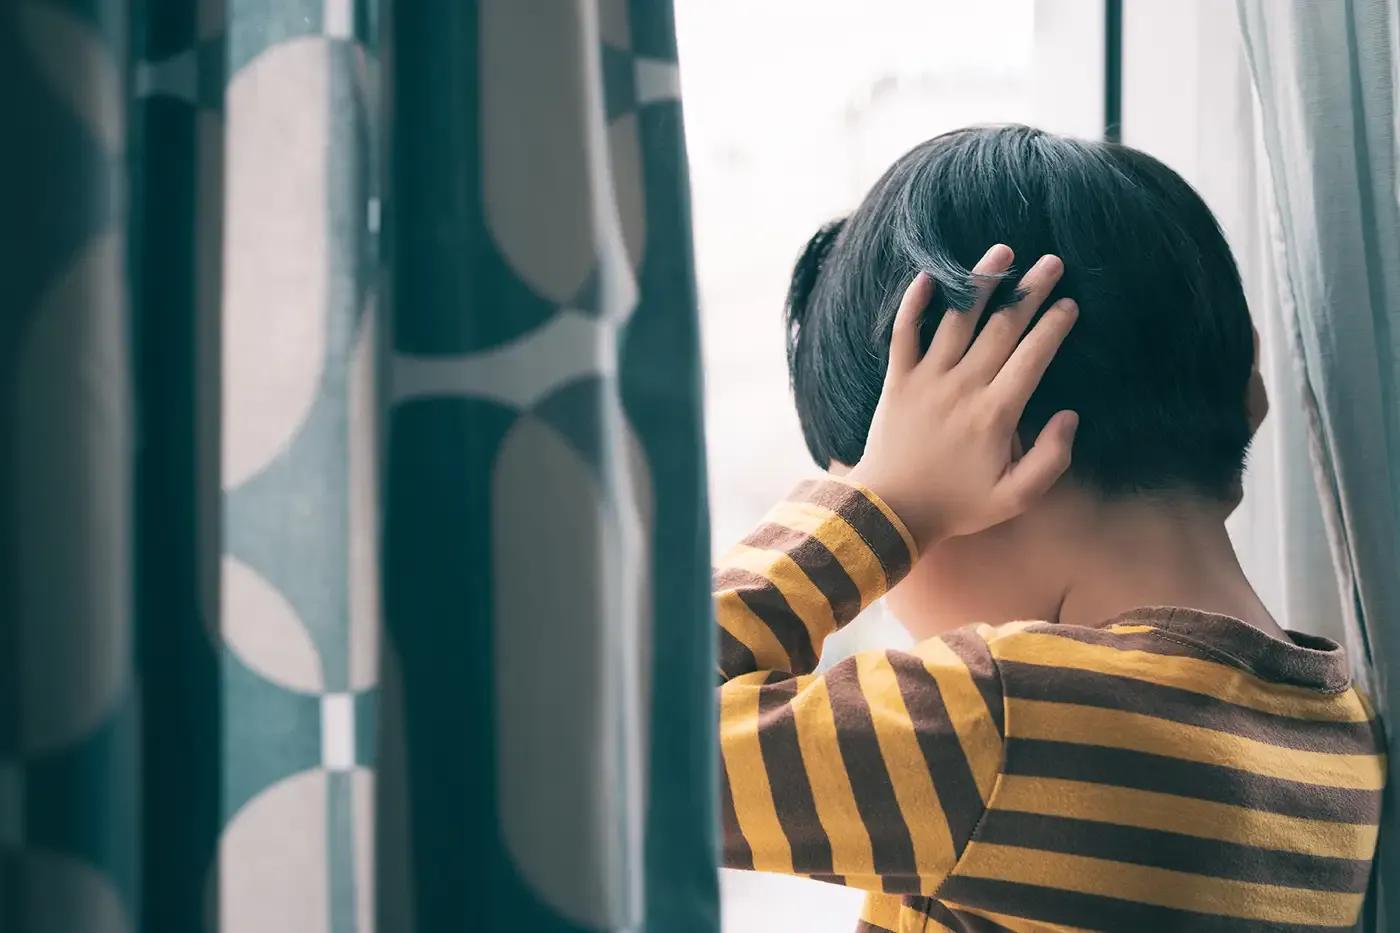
[904, 760]
[888, 512]
[736, 618]
[1088, 725]
[1159, 886]
[1016, 924]
[1204, 677]
[851, 551]
[851, 853]
[977, 731]
[887, 911]
[881, 910]
[802, 595]
[1143, 809]
[748, 781]
[1131, 629]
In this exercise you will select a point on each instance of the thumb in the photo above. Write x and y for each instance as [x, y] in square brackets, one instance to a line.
[1032, 476]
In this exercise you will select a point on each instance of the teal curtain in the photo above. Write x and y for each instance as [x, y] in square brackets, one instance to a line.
[353, 535]
[1325, 77]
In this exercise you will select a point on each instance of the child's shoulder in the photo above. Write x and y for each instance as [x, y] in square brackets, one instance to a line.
[1174, 663]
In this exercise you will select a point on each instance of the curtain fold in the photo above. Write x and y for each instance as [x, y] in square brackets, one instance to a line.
[543, 483]
[1326, 79]
[353, 539]
[69, 696]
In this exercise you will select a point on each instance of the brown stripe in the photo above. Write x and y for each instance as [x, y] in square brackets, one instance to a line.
[891, 848]
[828, 879]
[901, 883]
[735, 658]
[817, 562]
[943, 752]
[1174, 851]
[787, 776]
[973, 651]
[1123, 768]
[766, 601]
[1095, 912]
[1130, 695]
[737, 853]
[867, 520]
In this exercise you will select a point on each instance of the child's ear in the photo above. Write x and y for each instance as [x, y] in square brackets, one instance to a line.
[1256, 402]
[1256, 399]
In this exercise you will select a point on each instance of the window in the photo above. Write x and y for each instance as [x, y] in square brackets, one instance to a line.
[793, 109]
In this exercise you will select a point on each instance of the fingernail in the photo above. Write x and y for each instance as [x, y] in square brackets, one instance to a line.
[1068, 305]
[998, 254]
[1049, 264]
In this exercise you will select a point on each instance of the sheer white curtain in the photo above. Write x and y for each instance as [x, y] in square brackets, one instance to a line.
[1326, 77]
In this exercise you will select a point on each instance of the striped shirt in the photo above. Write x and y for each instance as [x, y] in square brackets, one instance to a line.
[1166, 770]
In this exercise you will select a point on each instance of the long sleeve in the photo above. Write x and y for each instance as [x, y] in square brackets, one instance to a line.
[875, 773]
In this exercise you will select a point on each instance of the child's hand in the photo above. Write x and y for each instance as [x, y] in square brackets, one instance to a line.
[941, 446]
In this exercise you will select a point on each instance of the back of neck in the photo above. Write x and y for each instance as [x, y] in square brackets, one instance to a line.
[1131, 555]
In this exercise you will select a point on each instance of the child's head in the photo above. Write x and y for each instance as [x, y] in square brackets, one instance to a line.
[1158, 366]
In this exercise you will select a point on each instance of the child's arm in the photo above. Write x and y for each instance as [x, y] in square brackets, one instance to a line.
[874, 773]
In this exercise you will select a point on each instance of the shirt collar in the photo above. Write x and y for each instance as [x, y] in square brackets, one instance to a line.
[1304, 660]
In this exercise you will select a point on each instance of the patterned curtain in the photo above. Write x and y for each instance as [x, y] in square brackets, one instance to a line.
[353, 538]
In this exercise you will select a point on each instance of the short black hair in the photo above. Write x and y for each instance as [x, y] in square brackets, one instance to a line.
[1159, 361]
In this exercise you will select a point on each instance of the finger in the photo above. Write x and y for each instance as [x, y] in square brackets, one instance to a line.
[956, 330]
[1018, 379]
[1032, 476]
[997, 341]
[904, 342]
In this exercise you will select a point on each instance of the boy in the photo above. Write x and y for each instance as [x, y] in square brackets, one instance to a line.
[1155, 753]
